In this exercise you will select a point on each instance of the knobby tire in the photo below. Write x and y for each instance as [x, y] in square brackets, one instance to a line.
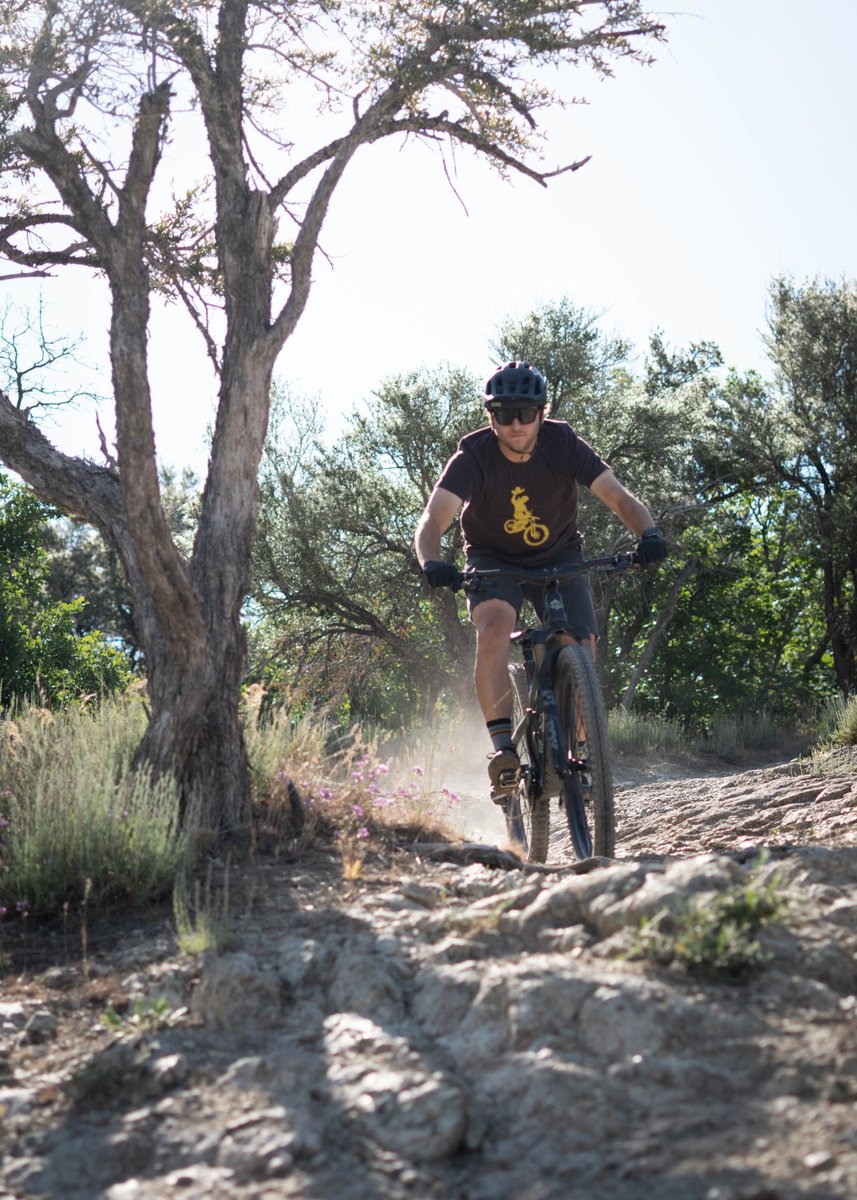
[527, 817]
[582, 718]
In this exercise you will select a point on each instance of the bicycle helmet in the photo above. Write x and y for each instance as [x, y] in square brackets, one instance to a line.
[515, 382]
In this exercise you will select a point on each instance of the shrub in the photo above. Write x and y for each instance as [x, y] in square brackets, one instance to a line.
[716, 936]
[844, 732]
[41, 655]
[75, 823]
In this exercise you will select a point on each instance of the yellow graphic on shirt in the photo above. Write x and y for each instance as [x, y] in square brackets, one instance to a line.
[524, 521]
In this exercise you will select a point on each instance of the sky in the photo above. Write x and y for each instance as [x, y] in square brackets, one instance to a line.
[731, 160]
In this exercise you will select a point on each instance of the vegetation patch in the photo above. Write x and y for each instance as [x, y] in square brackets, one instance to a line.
[146, 1017]
[306, 785]
[76, 826]
[202, 913]
[728, 736]
[79, 829]
[843, 730]
[716, 937]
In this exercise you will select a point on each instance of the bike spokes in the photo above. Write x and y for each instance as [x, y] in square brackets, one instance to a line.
[587, 794]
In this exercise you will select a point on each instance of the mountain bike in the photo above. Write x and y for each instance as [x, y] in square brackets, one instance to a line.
[559, 722]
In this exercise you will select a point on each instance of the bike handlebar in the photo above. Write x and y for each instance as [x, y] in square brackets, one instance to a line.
[608, 565]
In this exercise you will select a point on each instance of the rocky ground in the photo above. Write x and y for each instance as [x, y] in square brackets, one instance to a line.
[456, 1030]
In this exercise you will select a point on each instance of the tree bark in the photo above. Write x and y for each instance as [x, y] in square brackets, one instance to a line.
[667, 614]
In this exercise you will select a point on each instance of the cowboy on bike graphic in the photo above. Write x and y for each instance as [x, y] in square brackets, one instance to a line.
[524, 521]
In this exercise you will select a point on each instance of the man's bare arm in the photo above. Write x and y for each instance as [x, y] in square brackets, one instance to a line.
[437, 516]
[619, 500]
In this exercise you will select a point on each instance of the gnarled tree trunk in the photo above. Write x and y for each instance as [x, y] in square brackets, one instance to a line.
[66, 66]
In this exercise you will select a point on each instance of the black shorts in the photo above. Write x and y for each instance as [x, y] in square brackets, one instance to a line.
[576, 593]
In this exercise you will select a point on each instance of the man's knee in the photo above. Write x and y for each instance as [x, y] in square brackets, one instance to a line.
[494, 621]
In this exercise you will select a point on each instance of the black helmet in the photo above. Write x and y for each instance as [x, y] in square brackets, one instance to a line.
[513, 383]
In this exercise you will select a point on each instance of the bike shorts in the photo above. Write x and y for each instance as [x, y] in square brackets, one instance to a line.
[576, 593]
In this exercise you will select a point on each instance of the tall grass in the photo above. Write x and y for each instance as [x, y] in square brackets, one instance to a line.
[76, 826]
[835, 748]
[275, 739]
[728, 736]
[78, 830]
[839, 723]
[640, 733]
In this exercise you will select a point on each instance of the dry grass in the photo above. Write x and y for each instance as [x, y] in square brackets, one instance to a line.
[729, 736]
[77, 826]
[354, 796]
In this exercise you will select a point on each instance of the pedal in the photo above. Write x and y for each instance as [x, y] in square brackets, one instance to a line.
[505, 785]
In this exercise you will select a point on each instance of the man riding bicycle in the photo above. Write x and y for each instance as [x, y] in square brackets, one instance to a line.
[516, 483]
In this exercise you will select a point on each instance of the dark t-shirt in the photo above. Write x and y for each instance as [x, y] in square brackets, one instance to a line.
[521, 512]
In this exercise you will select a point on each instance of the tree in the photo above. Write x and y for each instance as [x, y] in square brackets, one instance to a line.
[576, 356]
[799, 434]
[89, 95]
[745, 624]
[81, 564]
[41, 654]
[336, 578]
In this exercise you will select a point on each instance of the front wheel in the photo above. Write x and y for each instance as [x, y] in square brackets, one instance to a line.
[587, 790]
[528, 810]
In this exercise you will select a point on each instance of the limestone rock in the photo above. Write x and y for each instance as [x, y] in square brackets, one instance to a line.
[381, 1082]
[236, 992]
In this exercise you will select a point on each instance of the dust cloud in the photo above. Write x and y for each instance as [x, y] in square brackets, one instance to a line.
[454, 758]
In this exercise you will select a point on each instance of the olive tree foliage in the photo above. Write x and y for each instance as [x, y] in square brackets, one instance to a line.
[346, 614]
[798, 433]
[91, 94]
[43, 657]
[567, 344]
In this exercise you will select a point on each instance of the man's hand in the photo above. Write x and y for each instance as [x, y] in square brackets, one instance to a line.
[442, 574]
[652, 547]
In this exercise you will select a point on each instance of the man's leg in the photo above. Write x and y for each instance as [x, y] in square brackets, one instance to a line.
[494, 621]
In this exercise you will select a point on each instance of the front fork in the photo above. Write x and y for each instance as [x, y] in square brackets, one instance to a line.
[541, 665]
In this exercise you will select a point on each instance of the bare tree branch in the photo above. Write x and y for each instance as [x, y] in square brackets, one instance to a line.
[74, 485]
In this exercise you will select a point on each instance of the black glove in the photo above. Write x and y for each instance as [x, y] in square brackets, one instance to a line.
[652, 547]
[442, 574]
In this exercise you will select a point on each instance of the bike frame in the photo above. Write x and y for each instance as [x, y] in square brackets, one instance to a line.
[548, 635]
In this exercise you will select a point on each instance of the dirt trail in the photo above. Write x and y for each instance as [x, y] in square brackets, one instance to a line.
[670, 792]
[454, 1032]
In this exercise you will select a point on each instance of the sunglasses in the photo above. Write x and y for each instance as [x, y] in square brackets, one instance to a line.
[505, 416]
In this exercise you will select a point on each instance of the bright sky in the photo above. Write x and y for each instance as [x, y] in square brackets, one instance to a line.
[730, 160]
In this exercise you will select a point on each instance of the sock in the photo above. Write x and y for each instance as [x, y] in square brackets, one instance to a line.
[501, 733]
